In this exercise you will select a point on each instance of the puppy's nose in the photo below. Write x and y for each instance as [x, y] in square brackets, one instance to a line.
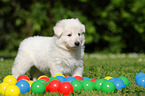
[77, 43]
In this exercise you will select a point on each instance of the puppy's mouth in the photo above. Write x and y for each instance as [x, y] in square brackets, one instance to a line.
[75, 45]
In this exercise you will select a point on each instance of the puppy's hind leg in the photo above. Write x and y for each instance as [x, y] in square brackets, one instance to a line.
[21, 65]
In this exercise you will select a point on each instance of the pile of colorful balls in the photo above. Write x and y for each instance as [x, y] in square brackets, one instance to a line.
[59, 83]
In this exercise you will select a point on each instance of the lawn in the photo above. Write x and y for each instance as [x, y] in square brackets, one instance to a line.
[99, 66]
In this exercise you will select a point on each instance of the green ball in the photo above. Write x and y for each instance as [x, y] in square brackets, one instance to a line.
[40, 80]
[88, 85]
[125, 80]
[77, 86]
[38, 87]
[108, 86]
[98, 83]
[53, 78]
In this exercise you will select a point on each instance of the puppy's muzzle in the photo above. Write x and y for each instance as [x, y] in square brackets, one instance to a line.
[77, 43]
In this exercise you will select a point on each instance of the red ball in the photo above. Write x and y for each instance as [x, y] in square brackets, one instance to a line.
[23, 77]
[78, 77]
[93, 80]
[66, 77]
[53, 85]
[45, 87]
[45, 78]
[66, 88]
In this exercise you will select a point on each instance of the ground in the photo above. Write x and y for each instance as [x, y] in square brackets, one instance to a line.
[99, 66]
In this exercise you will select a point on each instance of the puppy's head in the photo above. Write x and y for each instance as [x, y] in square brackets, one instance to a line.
[69, 33]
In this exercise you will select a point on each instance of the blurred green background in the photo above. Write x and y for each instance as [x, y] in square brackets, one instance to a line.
[115, 26]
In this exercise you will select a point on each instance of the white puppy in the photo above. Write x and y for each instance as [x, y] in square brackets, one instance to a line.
[61, 54]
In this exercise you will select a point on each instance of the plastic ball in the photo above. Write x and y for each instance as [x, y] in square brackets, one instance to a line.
[61, 78]
[58, 75]
[125, 80]
[77, 85]
[23, 77]
[112, 79]
[108, 86]
[10, 79]
[140, 74]
[46, 87]
[93, 80]
[88, 85]
[38, 88]
[54, 86]
[85, 78]
[53, 78]
[141, 81]
[108, 77]
[3, 86]
[30, 82]
[23, 85]
[41, 76]
[66, 77]
[98, 83]
[119, 83]
[78, 77]
[66, 88]
[70, 79]
[12, 90]
[41, 80]
[45, 78]
[45, 83]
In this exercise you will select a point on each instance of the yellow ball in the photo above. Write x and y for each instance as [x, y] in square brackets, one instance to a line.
[12, 90]
[30, 82]
[10, 79]
[58, 75]
[108, 77]
[3, 86]
[41, 76]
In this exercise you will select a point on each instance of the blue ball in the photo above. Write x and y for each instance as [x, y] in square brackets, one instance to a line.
[23, 85]
[85, 78]
[61, 78]
[138, 75]
[112, 79]
[70, 79]
[119, 83]
[141, 81]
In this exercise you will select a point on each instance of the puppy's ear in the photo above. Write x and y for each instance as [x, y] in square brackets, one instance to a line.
[83, 27]
[82, 39]
[57, 31]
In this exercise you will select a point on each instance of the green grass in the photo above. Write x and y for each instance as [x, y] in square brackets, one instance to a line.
[100, 66]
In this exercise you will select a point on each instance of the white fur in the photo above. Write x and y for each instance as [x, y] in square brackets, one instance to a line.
[57, 54]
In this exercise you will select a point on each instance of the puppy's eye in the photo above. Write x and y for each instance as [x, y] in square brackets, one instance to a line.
[79, 34]
[69, 35]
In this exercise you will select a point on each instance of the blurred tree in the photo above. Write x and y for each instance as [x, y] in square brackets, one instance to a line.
[111, 25]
